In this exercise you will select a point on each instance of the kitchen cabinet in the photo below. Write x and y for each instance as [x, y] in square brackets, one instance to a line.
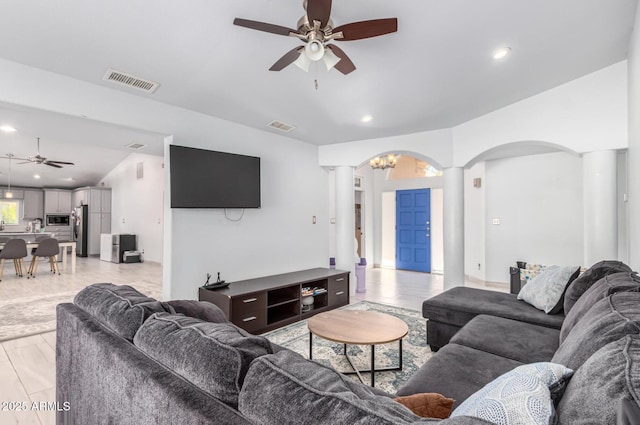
[57, 201]
[99, 200]
[33, 204]
[98, 223]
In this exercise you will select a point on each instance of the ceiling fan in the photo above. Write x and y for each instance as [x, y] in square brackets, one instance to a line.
[39, 159]
[316, 29]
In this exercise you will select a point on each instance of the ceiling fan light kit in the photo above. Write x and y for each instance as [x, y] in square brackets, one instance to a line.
[316, 30]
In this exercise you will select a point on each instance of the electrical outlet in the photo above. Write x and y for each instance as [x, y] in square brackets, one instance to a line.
[123, 221]
[478, 266]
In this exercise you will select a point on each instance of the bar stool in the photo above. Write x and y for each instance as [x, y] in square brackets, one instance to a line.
[16, 250]
[47, 247]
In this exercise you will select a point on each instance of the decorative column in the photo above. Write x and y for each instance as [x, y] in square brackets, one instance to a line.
[453, 223]
[599, 176]
[345, 224]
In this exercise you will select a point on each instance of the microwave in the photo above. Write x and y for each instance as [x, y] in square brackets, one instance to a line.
[57, 220]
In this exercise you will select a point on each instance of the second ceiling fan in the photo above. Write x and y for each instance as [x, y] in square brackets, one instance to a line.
[316, 30]
[39, 159]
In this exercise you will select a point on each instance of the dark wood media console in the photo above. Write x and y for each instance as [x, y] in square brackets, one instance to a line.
[266, 303]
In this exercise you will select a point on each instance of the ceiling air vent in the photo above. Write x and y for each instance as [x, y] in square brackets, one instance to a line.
[281, 126]
[135, 146]
[130, 81]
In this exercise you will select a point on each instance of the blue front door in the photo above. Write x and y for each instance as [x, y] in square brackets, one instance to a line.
[413, 229]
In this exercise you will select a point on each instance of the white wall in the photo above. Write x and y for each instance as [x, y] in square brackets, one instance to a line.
[474, 222]
[539, 202]
[634, 146]
[136, 204]
[583, 115]
[277, 238]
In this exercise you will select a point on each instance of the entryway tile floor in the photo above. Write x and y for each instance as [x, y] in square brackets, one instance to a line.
[27, 365]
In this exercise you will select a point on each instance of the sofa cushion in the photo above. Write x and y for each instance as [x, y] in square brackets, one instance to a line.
[459, 305]
[608, 320]
[213, 356]
[457, 371]
[285, 388]
[202, 310]
[546, 290]
[120, 307]
[615, 282]
[588, 278]
[609, 376]
[521, 396]
[509, 338]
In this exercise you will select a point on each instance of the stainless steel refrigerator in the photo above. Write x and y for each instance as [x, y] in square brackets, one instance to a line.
[81, 229]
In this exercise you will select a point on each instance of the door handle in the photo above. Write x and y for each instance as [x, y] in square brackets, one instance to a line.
[249, 300]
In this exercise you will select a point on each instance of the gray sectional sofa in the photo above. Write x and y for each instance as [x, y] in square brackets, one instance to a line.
[479, 335]
[124, 358]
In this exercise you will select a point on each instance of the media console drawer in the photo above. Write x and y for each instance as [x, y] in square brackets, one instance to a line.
[266, 303]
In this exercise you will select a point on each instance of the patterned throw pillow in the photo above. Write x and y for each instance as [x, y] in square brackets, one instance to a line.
[522, 396]
[546, 289]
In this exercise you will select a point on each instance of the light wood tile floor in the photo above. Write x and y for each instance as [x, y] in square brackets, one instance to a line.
[27, 365]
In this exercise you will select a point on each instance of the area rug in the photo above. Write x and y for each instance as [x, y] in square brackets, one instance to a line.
[414, 347]
[20, 317]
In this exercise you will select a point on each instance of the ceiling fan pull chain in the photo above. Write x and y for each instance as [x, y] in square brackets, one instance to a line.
[316, 79]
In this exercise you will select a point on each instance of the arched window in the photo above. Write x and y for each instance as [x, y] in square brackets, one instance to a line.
[408, 167]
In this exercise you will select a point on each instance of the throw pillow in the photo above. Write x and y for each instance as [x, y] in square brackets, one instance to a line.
[545, 291]
[428, 405]
[588, 278]
[524, 395]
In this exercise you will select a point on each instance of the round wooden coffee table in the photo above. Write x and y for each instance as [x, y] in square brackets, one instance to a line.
[358, 327]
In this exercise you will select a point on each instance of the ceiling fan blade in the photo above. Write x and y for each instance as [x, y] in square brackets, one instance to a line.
[263, 26]
[59, 162]
[287, 59]
[367, 29]
[344, 65]
[52, 165]
[319, 10]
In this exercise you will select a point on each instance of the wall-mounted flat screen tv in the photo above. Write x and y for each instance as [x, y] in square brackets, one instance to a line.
[208, 179]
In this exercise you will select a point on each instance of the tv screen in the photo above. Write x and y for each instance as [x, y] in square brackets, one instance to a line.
[207, 179]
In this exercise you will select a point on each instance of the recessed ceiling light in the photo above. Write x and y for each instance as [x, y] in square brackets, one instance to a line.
[36, 176]
[366, 118]
[7, 129]
[501, 53]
